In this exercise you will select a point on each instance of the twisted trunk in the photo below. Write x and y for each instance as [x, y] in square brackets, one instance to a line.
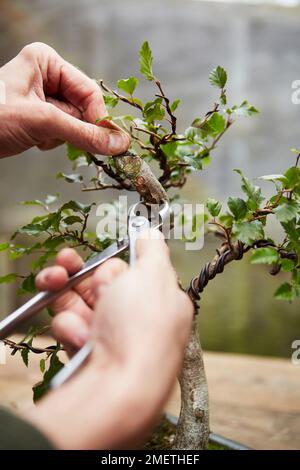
[193, 425]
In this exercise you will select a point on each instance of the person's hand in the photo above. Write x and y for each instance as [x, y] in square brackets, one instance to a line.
[49, 101]
[73, 310]
[139, 329]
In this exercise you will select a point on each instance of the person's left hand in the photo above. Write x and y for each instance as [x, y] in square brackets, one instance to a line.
[48, 101]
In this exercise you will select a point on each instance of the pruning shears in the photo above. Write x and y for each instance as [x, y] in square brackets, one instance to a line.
[141, 217]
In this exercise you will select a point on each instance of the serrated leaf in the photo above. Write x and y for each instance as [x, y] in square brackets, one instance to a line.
[218, 77]
[214, 126]
[248, 232]
[128, 85]
[8, 278]
[253, 192]
[146, 61]
[73, 152]
[110, 101]
[214, 207]
[154, 111]
[245, 109]
[238, 207]
[266, 255]
[284, 292]
[287, 211]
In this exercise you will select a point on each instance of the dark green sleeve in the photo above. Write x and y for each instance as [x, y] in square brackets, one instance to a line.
[17, 434]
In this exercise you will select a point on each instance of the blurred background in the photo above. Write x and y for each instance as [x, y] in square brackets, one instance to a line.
[258, 44]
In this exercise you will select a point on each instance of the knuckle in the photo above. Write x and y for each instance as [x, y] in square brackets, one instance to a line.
[34, 48]
[98, 138]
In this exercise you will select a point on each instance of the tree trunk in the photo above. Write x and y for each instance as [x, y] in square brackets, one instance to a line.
[193, 425]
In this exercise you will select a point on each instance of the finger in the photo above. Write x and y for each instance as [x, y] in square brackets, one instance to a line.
[66, 80]
[152, 250]
[49, 122]
[70, 329]
[106, 273]
[52, 279]
[68, 108]
[72, 262]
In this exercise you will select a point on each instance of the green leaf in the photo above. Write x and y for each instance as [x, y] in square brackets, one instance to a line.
[215, 125]
[73, 178]
[248, 232]
[287, 265]
[128, 85]
[275, 177]
[226, 220]
[8, 278]
[292, 176]
[267, 255]
[73, 152]
[77, 206]
[174, 105]
[4, 246]
[245, 109]
[34, 202]
[72, 219]
[238, 207]
[170, 149]
[153, 111]
[218, 77]
[146, 61]
[41, 388]
[110, 101]
[287, 211]
[214, 207]
[28, 285]
[253, 192]
[25, 354]
[284, 292]
[42, 365]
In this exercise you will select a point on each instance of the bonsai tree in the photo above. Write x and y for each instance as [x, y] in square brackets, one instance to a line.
[240, 228]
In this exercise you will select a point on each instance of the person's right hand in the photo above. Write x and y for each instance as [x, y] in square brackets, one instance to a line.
[139, 325]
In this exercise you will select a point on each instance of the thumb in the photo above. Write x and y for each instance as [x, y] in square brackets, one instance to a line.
[84, 135]
[152, 251]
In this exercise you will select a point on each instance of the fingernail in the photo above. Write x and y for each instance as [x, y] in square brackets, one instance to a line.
[118, 142]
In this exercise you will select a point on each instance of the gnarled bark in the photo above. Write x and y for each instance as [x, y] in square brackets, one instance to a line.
[193, 425]
[136, 170]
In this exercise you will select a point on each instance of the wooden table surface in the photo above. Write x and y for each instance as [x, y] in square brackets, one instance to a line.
[253, 400]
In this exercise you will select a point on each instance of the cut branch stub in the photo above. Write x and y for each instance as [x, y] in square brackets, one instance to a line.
[136, 170]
